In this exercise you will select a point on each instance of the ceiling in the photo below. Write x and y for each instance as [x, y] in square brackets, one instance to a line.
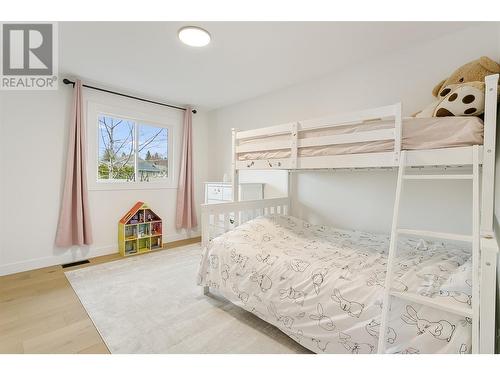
[244, 60]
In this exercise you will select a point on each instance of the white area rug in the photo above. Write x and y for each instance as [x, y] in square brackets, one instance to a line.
[151, 304]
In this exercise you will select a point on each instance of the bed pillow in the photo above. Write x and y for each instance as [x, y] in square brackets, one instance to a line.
[460, 279]
[466, 99]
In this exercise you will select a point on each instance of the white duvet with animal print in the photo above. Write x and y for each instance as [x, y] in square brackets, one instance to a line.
[323, 286]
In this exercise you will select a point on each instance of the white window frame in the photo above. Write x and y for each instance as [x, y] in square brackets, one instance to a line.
[94, 110]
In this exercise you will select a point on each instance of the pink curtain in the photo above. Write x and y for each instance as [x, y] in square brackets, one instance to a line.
[74, 219]
[186, 213]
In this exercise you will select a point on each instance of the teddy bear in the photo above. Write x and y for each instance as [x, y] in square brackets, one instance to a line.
[462, 94]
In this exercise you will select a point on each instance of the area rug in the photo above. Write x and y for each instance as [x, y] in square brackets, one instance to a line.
[151, 304]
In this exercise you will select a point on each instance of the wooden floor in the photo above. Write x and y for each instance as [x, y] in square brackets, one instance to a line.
[40, 312]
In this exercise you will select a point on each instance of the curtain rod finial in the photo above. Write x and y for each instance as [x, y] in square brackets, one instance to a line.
[194, 111]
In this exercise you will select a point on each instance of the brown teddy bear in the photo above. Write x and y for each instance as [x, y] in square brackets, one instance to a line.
[462, 94]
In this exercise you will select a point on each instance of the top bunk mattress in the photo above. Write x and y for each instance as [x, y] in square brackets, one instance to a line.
[417, 134]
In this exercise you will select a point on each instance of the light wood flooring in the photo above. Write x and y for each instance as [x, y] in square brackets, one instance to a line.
[40, 312]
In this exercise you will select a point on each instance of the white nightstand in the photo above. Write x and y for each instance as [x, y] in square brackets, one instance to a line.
[218, 192]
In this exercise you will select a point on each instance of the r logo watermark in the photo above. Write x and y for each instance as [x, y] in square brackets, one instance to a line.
[29, 56]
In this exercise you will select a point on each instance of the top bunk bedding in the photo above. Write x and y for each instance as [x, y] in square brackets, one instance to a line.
[324, 286]
[417, 134]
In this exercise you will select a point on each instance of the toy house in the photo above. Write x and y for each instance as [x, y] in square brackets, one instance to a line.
[139, 231]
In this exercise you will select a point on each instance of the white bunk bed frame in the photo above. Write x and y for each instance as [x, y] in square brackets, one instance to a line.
[225, 216]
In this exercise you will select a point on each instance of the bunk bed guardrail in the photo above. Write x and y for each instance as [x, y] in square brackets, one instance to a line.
[391, 113]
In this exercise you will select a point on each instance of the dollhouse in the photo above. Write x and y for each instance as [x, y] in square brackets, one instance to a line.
[139, 231]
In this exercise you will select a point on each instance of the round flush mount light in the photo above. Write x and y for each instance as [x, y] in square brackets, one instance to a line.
[194, 36]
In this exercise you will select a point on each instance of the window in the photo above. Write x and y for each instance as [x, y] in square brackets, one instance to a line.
[130, 151]
[152, 153]
[116, 149]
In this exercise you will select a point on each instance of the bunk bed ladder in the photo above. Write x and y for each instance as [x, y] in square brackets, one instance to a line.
[389, 293]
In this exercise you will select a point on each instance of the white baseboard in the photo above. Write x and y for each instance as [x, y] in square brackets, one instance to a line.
[76, 254]
[71, 255]
[180, 236]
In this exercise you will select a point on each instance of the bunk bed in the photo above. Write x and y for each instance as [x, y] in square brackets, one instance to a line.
[338, 291]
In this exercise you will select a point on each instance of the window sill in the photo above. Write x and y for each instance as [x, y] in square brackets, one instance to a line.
[118, 186]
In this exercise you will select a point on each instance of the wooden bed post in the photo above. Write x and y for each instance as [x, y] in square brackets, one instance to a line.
[294, 128]
[235, 175]
[294, 151]
[398, 131]
[235, 179]
[488, 295]
[205, 226]
[489, 245]
[289, 191]
[205, 234]
[488, 183]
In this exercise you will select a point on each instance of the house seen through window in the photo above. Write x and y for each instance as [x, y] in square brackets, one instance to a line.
[131, 151]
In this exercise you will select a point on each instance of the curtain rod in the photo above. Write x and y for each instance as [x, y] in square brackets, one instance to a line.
[68, 82]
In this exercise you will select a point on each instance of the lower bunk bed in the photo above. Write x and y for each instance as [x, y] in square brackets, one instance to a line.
[323, 286]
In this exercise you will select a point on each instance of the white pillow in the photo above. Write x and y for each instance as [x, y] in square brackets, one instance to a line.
[465, 99]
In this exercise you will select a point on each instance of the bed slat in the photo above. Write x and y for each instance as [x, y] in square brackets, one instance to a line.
[364, 136]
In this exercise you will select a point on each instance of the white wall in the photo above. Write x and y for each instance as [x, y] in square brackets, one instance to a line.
[364, 200]
[34, 130]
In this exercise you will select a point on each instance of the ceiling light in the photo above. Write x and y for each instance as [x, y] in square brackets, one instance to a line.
[194, 36]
